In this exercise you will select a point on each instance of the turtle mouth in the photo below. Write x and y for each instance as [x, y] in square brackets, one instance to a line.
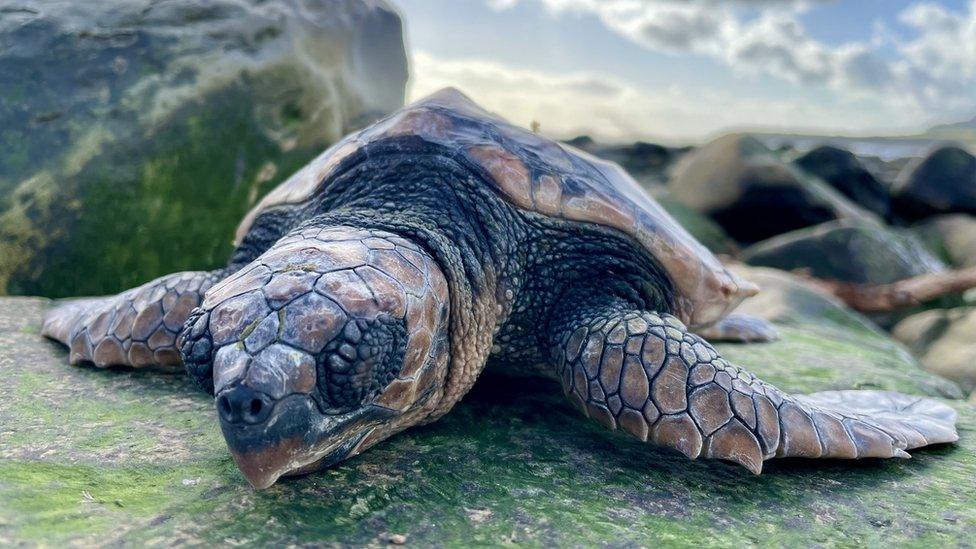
[296, 438]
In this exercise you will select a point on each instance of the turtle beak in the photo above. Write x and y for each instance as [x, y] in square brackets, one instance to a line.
[270, 439]
[266, 437]
[263, 467]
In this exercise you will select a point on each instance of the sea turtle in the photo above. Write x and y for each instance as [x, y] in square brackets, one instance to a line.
[369, 290]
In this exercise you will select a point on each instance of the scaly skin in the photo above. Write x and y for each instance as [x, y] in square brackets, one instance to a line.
[327, 319]
[137, 328]
[642, 372]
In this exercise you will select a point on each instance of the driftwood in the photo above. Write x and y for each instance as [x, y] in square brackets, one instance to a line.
[880, 298]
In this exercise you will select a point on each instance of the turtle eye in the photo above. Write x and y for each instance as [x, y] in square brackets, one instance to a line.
[360, 362]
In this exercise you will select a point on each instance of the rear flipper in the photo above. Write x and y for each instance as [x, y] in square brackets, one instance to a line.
[644, 373]
[740, 328]
[137, 328]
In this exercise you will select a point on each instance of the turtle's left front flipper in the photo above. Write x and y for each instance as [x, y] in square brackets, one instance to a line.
[644, 373]
[137, 328]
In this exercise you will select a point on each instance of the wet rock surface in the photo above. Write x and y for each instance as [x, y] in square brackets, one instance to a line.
[746, 189]
[106, 456]
[136, 134]
[858, 253]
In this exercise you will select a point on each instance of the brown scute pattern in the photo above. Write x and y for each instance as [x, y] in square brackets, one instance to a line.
[676, 391]
[539, 175]
[299, 317]
[137, 328]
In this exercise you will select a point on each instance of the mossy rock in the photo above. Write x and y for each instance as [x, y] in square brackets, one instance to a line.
[134, 135]
[114, 456]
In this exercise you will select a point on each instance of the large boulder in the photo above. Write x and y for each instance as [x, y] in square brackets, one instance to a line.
[942, 182]
[951, 236]
[115, 457]
[944, 341]
[844, 172]
[134, 134]
[847, 252]
[738, 182]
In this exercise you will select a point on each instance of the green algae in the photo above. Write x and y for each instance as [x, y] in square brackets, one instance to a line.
[111, 456]
[141, 208]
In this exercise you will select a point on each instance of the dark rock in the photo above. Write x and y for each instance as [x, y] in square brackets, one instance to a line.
[581, 142]
[740, 184]
[643, 157]
[942, 182]
[648, 163]
[844, 172]
[951, 236]
[846, 252]
[136, 133]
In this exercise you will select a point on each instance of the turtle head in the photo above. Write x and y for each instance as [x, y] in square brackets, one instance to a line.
[311, 365]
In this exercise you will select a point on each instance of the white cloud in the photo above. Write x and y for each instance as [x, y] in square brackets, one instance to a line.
[932, 75]
[567, 105]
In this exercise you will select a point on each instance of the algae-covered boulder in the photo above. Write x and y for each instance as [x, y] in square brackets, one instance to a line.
[134, 134]
[942, 182]
[743, 186]
[945, 342]
[848, 252]
[844, 172]
[115, 457]
[950, 236]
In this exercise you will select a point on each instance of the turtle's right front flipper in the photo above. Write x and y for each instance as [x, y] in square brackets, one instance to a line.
[137, 328]
[643, 372]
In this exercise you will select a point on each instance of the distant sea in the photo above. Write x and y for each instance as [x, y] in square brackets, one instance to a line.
[886, 148]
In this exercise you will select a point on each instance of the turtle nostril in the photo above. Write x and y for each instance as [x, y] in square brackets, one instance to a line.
[223, 406]
[243, 404]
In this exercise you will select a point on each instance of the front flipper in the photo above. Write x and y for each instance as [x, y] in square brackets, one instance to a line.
[644, 373]
[137, 328]
[740, 328]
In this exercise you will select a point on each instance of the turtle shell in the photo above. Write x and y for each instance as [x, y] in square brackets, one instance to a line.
[540, 175]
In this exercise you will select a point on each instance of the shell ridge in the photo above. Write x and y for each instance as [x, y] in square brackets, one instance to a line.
[515, 161]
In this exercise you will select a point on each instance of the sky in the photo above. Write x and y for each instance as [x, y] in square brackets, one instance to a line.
[684, 70]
